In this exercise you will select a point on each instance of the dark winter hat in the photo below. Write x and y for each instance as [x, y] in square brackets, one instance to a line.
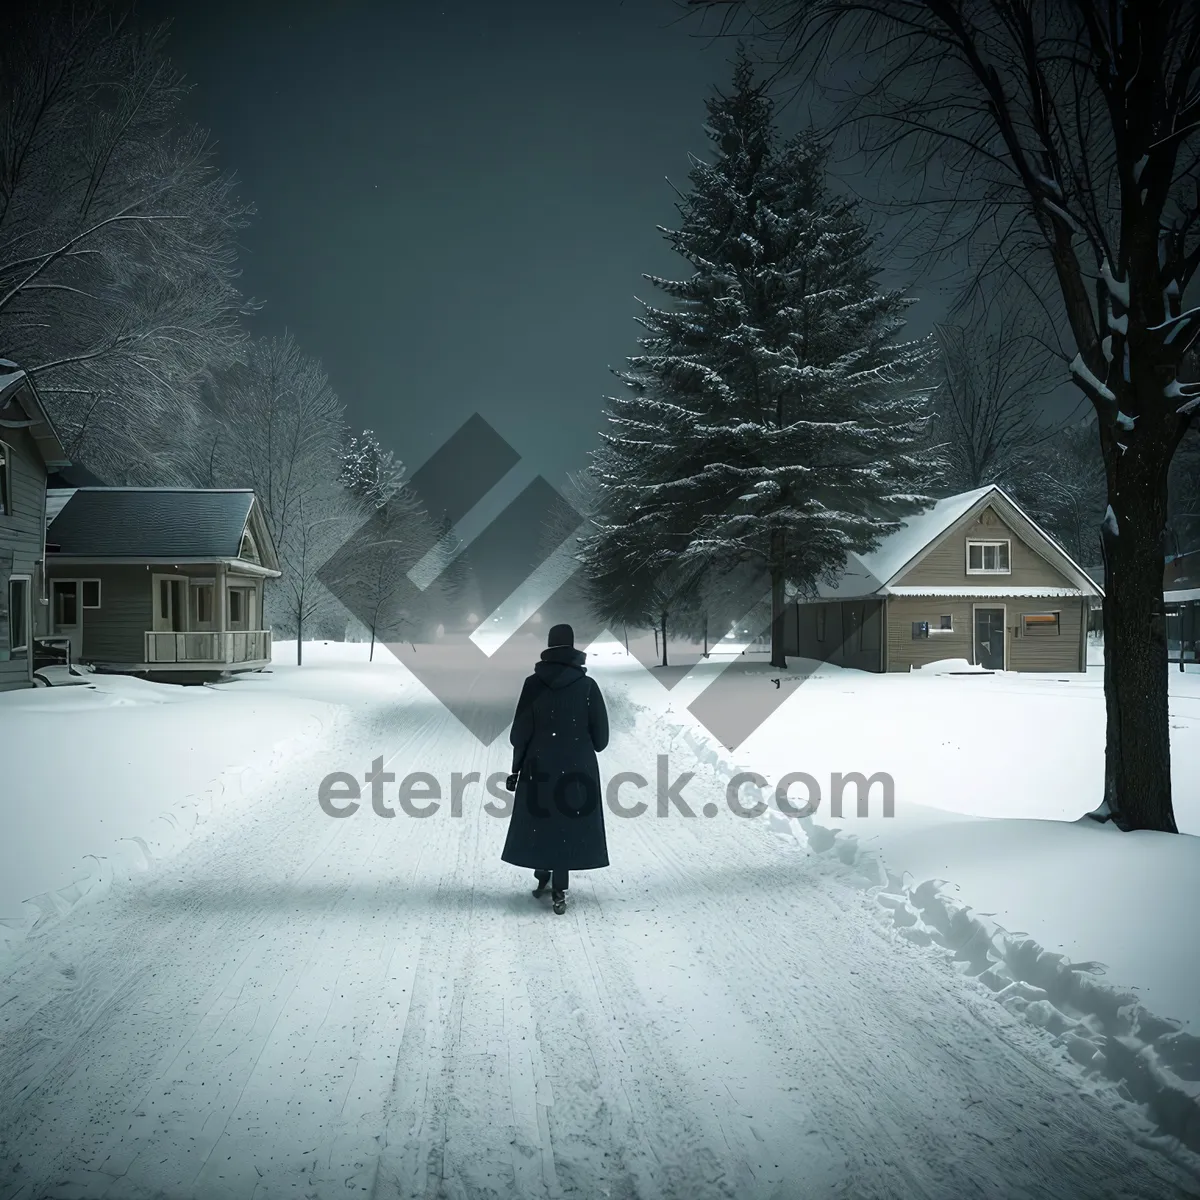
[561, 635]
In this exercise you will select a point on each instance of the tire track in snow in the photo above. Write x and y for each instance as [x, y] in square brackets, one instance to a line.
[169, 942]
[308, 1008]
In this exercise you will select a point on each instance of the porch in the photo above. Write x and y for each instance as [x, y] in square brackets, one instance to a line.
[187, 620]
[206, 648]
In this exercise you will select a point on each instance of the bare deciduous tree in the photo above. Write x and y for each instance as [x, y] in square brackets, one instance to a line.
[117, 235]
[276, 426]
[994, 374]
[1068, 137]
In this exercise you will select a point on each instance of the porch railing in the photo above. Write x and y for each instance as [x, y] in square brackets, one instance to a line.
[232, 646]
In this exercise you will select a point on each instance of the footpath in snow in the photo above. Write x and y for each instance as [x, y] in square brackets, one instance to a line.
[281, 1003]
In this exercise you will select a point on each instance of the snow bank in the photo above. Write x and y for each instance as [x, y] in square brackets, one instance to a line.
[1085, 931]
[953, 666]
[104, 779]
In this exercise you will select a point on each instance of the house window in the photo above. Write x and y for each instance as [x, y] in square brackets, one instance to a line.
[920, 629]
[91, 593]
[944, 624]
[1041, 624]
[66, 602]
[6, 464]
[249, 550]
[18, 616]
[236, 605]
[820, 614]
[203, 602]
[987, 558]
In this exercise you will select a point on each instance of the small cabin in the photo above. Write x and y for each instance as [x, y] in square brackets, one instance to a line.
[163, 582]
[971, 578]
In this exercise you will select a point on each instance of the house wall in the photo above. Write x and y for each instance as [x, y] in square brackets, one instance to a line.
[853, 633]
[905, 652]
[946, 564]
[21, 541]
[115, 633]
[1059, 653]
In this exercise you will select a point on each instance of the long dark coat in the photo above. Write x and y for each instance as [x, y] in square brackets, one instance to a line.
[558, 810]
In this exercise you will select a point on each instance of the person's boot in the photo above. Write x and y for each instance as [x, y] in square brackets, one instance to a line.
[560, 902]
[543, 882]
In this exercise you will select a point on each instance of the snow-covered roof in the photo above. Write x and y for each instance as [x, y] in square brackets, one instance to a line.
[898, 549]
[870, 574]
[17, 385]
[964, 592]
[1181, 595]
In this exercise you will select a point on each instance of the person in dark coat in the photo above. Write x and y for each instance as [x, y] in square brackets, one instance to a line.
[557, 823]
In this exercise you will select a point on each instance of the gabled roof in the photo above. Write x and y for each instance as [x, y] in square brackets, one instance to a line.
[200, 524]
[873, 574]
[16, 388]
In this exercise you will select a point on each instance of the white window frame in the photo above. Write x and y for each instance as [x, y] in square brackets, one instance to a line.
[1045, 612]
[937, 629]
[99, 595]
[1005, 542]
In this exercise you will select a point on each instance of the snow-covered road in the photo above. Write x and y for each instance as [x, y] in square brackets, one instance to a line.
[303, 1006]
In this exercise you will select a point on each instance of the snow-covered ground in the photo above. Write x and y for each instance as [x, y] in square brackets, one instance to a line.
[262, 1000]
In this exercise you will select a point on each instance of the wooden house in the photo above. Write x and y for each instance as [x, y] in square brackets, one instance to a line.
[29, 449]
[971, 578]
[162, 582]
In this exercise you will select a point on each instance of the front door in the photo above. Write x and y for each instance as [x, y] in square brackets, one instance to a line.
[169, 611]
[66, 610]
[989, 638]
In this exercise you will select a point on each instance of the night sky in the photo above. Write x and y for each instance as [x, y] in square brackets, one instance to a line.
[455, 202]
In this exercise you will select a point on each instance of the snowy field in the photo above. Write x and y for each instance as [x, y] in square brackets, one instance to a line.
[245, 997]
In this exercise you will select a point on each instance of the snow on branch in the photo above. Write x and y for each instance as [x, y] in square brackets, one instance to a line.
[1189, 393]
[1081, 372]
[1175, 325]
[1117, 287]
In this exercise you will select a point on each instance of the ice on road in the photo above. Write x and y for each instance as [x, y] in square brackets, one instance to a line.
[306, 1006]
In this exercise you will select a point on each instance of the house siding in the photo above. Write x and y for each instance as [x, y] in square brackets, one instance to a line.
[114, 632]
[1061, 653]
[946, 563]
[1058, 654]
[21, 539]
[905, 651]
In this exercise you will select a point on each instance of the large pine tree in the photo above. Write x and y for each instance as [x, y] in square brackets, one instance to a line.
[772, 419]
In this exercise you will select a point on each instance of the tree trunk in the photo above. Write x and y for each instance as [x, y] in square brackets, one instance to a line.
[1137, 753]
[625, 630]
[299, 641]
[778, 654]
[663, 623]
[371, 656]
[706, 637]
